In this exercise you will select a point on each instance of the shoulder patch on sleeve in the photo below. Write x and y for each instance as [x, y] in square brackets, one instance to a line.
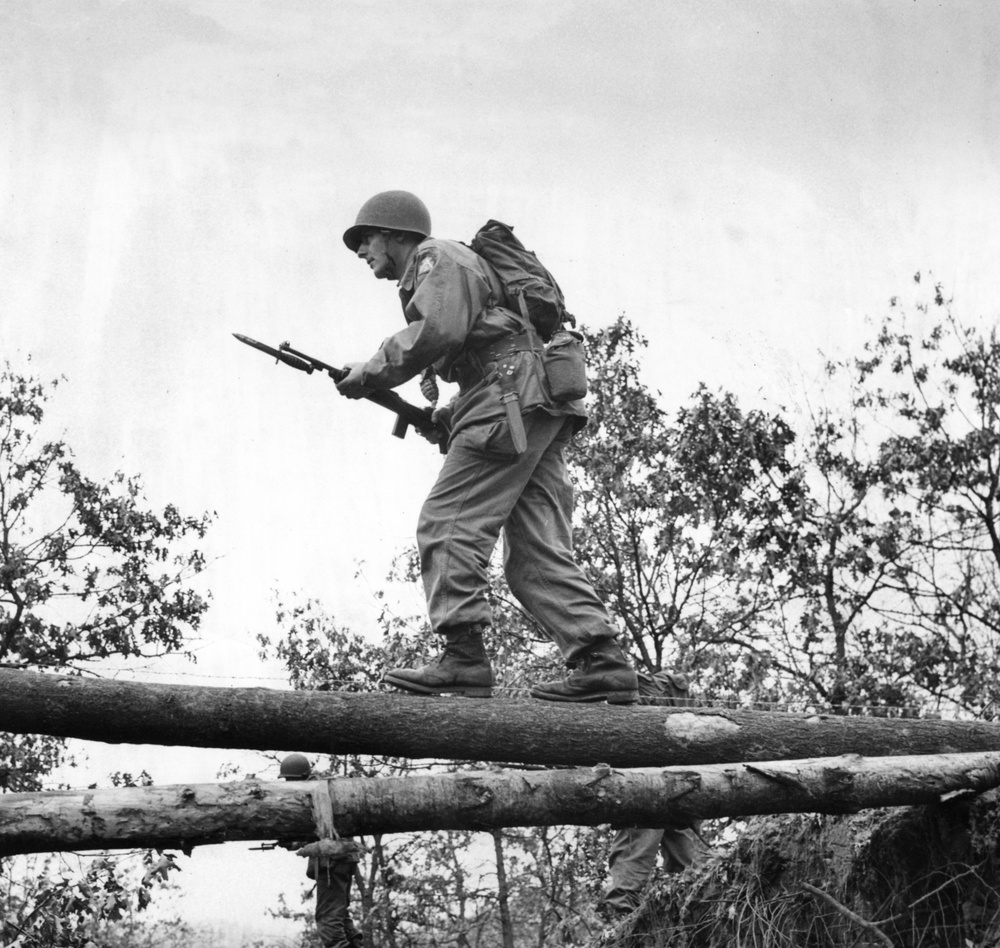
[427, 261]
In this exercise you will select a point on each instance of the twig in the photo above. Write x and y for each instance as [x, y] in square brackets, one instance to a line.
[971, 870]
[847, 913]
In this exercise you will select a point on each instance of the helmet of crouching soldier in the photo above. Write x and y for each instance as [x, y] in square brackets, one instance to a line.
[295, 767]
[390, 210]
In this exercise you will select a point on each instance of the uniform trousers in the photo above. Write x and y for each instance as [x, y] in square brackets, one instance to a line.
[333, 897]
[633, 858]
[485, 487]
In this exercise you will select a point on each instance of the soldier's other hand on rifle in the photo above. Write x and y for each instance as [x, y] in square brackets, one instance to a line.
[441, 417]
[352, 385]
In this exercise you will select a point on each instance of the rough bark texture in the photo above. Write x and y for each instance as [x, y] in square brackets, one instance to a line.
[523, 731]
[183, 816]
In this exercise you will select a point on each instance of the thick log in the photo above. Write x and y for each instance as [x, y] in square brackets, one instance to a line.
[185, 816]
[504, 730]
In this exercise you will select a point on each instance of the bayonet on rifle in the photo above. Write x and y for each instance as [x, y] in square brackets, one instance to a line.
[406, 413]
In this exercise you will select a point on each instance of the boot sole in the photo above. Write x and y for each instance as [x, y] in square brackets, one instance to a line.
[471, 691]
[612, 697]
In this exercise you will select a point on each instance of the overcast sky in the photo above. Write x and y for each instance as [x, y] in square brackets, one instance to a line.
[748, 181]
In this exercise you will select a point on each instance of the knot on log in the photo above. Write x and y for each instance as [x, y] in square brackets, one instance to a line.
[482, 793]
[688, 782]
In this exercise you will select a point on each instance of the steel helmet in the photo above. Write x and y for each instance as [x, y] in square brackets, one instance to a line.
[295, 767]
[391, 210]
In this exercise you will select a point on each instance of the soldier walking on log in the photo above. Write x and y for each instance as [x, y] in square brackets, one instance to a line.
[504, 469]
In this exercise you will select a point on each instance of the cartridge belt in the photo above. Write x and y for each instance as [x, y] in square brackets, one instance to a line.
[498, 353]
[508, 345]
[476, 365]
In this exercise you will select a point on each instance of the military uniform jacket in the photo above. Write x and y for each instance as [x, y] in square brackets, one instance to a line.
[453, 304]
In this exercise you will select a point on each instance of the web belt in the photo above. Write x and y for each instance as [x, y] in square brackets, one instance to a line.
[501, 352]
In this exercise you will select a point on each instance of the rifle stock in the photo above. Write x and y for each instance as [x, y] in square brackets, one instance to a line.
[406, 413]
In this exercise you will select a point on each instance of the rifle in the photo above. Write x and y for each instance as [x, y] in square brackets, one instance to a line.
[406, 413]
[269, 846]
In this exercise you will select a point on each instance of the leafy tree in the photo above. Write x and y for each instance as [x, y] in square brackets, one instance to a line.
[935, 399]
[885, 574]
[87, 572]
[56, 903]
[678, 516]
[835, 570]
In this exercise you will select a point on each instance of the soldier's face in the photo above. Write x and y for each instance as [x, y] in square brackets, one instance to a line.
[374, 250]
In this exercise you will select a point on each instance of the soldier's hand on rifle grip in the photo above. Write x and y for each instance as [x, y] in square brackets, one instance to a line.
[441, 417]
[352, 386]
[434, 435]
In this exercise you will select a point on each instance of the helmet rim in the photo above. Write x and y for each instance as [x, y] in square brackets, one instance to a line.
[390, 210]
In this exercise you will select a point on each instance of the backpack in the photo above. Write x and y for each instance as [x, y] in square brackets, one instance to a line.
[529, 286]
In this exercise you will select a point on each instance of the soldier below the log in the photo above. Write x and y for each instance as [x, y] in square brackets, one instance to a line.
[632, 858]
[504, 470]
[333, 874]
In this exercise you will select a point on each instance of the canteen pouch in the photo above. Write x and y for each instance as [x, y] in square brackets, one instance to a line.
[566, 366]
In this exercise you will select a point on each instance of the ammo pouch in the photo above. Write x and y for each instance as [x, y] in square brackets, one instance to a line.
[566, 366]
[563, 361]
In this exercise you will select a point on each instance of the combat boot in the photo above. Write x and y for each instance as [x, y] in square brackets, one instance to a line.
[602, 674]
[463, 668]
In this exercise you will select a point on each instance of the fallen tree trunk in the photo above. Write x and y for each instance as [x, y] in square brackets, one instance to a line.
[906, 876]
[505, 730]
[185, 816]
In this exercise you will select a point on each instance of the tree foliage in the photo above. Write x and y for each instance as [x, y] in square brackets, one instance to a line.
[940, 470]
[55, 904]
[890, 597]
[885, 580]
[87, 571]
[680, 517]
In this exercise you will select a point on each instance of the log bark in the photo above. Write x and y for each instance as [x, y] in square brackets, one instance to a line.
[503, 730]
[185, 816]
